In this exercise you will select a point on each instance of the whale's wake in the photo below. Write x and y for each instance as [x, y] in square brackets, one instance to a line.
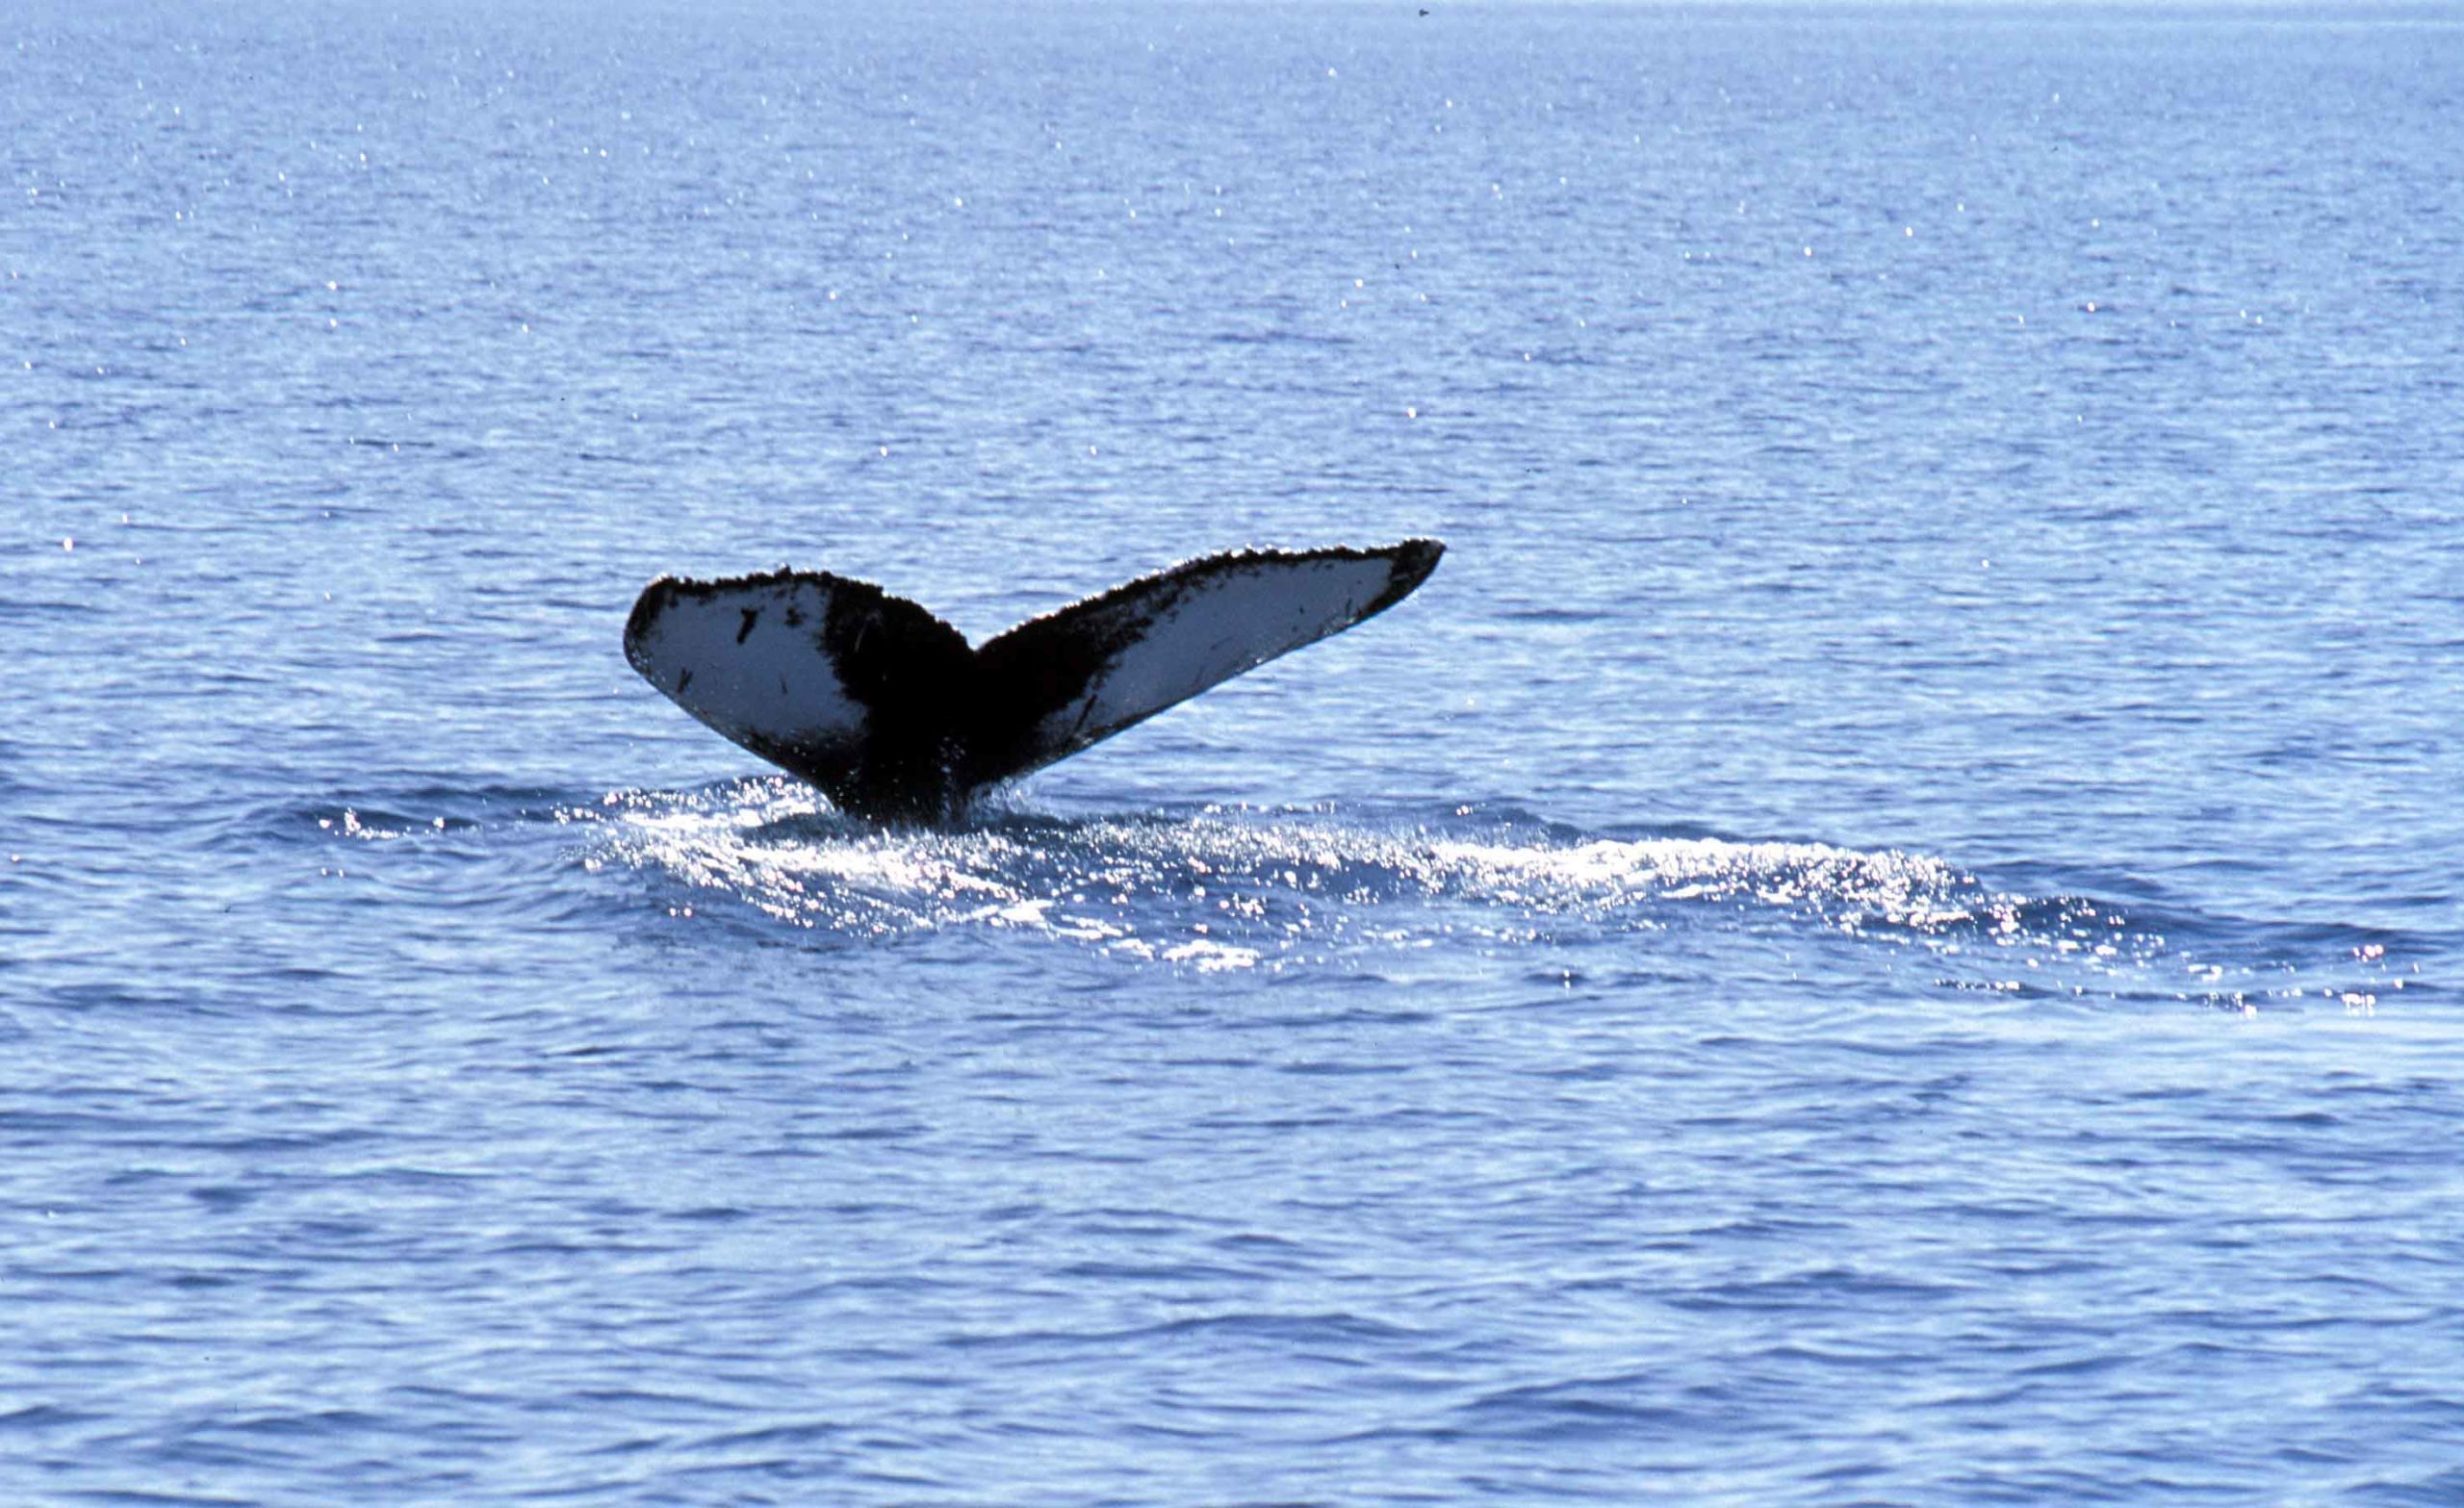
[1217, 889]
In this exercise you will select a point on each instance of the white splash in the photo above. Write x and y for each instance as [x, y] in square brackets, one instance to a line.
[1238, 891]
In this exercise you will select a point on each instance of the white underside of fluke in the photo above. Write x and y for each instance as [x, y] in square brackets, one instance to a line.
[745, 661]
[887, 708]
[1210, 631]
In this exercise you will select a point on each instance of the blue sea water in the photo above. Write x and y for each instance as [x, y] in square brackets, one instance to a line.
[1884, 930]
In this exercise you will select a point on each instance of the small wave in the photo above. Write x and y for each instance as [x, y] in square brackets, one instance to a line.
[780, 849]
[392, 816]
[1237, 889]
[1217, 889]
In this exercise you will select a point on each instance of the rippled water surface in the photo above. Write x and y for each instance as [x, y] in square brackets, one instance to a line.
[1884, 929]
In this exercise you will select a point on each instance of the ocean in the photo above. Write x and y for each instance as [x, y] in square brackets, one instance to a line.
[1885, 929]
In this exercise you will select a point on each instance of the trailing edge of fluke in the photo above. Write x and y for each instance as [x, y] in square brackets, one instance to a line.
[885, 708]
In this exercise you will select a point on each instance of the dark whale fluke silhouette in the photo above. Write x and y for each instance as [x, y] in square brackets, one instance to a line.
[885, 708]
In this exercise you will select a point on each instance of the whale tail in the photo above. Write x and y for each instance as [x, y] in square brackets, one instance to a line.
[887, 711]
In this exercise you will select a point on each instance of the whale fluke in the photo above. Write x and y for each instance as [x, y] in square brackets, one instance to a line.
[885, 708]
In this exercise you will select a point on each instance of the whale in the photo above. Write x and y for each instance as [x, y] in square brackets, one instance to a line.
[897, 720]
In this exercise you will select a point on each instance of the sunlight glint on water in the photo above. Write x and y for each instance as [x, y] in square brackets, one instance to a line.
[1883, 929]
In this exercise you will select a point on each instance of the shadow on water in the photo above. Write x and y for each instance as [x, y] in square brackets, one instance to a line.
[766, 861]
